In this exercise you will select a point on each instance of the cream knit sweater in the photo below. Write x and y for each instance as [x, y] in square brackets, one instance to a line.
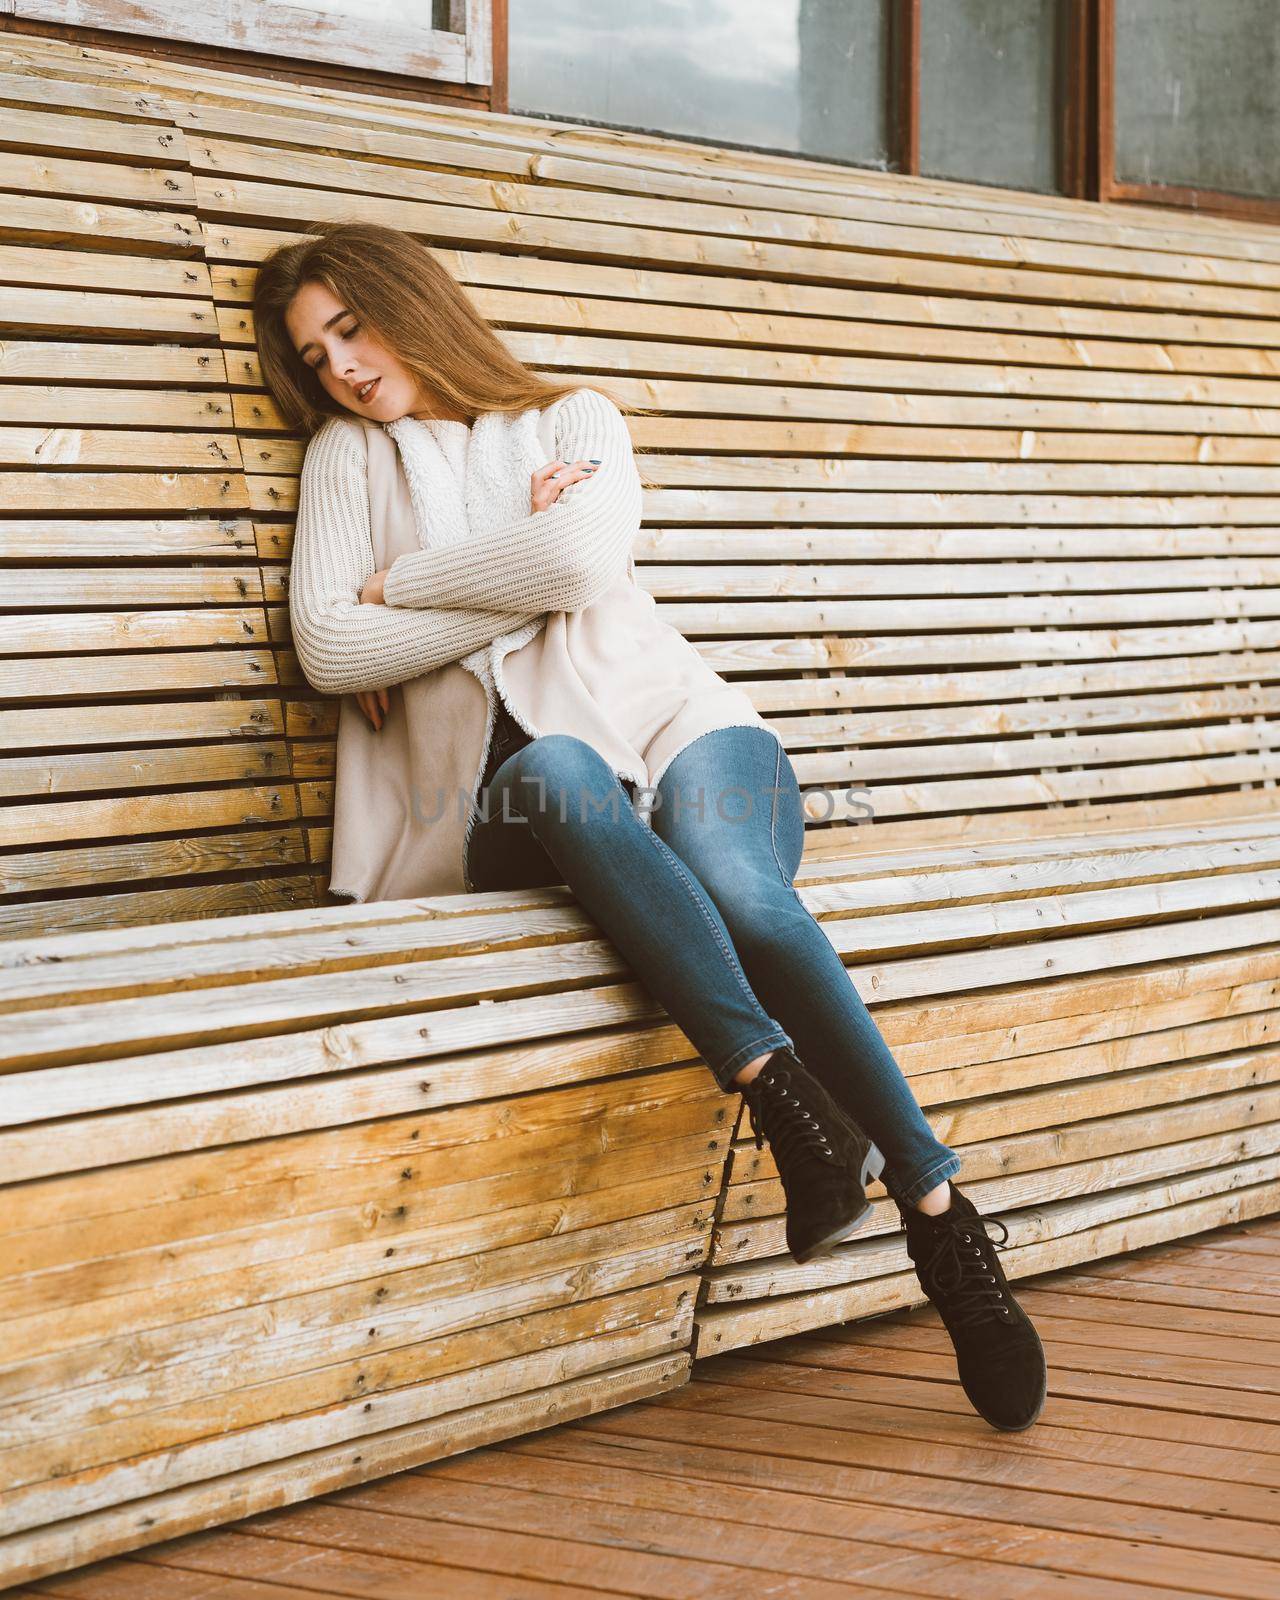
[442, 604]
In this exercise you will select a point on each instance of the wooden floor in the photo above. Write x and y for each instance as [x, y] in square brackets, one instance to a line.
[837, 1463]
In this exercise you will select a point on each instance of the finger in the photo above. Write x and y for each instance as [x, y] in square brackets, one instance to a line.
[572, 475]
[383, 696]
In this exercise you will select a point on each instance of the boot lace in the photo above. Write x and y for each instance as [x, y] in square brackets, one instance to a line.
[779, 1114]
[958, 1270]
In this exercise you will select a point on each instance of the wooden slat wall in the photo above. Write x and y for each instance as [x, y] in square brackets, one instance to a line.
[143, 727]
[296, 1199]
[284, 1208]
[841, 1465]
[1097, 1034]
[975, 492]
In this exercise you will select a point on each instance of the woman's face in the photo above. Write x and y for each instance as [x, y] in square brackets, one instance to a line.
[351, 364]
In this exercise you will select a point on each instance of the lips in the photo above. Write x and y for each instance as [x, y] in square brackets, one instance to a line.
[364, 395]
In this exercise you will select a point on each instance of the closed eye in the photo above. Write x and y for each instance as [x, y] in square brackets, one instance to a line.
[346, 333]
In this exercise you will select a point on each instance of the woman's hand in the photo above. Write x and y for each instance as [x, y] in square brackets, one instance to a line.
[374, 703]
[547, 482]
[371, 594]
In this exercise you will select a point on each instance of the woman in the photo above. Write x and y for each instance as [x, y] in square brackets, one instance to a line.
[528, 664]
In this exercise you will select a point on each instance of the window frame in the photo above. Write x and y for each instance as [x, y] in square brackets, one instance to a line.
[280, 32]
[1251, 208]
[1072, 96]
[1085, 113]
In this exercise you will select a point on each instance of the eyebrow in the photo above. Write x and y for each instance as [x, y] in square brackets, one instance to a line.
[345, 312]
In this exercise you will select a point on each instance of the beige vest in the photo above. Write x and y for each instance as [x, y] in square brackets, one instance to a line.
[613, 674]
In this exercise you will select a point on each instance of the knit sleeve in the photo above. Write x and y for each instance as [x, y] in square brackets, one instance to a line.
[342, 643]
[560, 559]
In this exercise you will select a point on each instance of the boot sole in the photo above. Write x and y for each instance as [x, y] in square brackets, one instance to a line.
[1015, 1427]
[872, 1167]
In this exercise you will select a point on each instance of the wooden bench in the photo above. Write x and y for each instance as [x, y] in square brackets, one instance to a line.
[977, 493]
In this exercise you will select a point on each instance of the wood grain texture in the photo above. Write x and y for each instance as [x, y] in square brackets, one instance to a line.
[977, 495]
[841, 1462]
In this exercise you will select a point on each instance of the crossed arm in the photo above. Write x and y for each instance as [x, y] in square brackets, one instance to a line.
[345, 646]
[439, 605]
[560, 559]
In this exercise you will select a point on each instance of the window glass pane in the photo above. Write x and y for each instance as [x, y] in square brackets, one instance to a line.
[799, 76]
[1197, 96]
[988, 91]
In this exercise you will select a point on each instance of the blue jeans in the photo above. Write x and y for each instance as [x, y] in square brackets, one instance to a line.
[702, 908]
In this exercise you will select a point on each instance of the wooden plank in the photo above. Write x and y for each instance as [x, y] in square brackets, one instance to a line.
[242, 172]
[313, 1396]
[126, 815]
[732, 1278]
[134, 141]
[164, 186]
[1234, 650]
[71, 407]
[280, 893]
[181, 955]
[730, 1327]
[92, 726]
[180, 670]
[192, 539]
[1056, 821]
[80, 447]
[32, 82]
[198, 626]
[37, 218]
[669, 1452]
[409, 44]
[1136, 390]
[917, 399]
[47, 361]
[934, 443]
[611, 298]
[230, 203]
[58, 310]
[42, 271]
[884, 551]
[121, 771]
[319, 1248]
[550, 1385]
[127, 492]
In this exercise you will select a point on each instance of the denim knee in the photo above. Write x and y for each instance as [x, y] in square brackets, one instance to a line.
[556, 766]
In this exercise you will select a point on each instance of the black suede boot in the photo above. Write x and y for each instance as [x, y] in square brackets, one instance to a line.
[998, 1351]
[822, 1155]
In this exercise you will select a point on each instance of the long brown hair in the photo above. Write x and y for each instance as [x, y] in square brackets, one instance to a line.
[414, 305]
